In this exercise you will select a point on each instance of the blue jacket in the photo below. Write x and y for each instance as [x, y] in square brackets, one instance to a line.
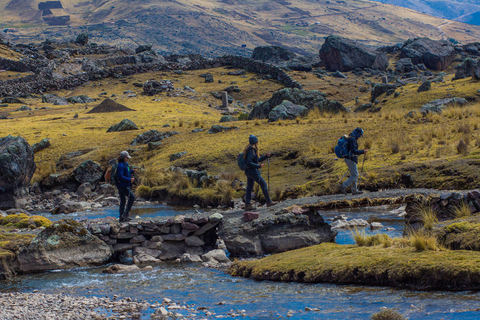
[352, 148]
[124, 175]
[252, 161]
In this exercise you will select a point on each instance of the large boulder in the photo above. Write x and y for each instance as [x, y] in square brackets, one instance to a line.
[437, 106]
[272, 54]
[379, 89]
[217, 129]
[287, 111]
[434, 54]
[310, 99]
[80, 99]
[65, 244]
[344, 54]
[404, 65]
[143, 48]
[123, 125]
[88, 171]
[274, 233]
[17, 166]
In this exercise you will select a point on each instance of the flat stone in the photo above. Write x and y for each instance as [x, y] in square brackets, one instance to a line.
[157, 239]
[138, 239]
[147, 251]
[174, 237]
[194, 241]
[119, 247]
[215, 217]
[206, 227]
[249, 216]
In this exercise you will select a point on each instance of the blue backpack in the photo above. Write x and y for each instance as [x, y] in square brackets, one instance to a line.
[341, 150]
[242, 163]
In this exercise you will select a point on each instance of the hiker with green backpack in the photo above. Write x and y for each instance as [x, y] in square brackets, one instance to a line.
[249, 162]
[347, 148]
[123, 180]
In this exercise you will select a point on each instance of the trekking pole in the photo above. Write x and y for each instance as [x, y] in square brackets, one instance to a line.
[361, 172]
[268, 173]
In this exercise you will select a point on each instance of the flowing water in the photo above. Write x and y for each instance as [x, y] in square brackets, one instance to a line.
[221, 293]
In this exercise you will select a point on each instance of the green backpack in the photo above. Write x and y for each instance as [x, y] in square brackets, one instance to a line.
[242, 163]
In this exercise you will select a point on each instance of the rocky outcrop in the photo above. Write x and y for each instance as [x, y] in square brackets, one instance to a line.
[287, 111]
[381, 88]
[82, 39]
[54, 99]
[228, 118]
[123, 125]
[434, 54]
[310, 99]
[274, 233]
[88, 171]
[468, 68]
[404, 65]
[80, 99]
[153, 87]
[65, 244]
[344, 54]
[152, 136]
[273, 54]
[17, 166]
[438, 105]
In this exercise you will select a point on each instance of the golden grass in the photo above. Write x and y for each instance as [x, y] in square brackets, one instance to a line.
[427, 215]
[462, 210]
[388, 136]
[22, 221]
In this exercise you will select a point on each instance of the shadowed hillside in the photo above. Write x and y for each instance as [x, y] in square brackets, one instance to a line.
[217, 27]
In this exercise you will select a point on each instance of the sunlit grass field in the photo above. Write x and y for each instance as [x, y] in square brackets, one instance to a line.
[394, 141]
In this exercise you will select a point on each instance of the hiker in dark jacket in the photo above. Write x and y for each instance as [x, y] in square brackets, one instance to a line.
[352, 160]
[253, 173]
[124, 184]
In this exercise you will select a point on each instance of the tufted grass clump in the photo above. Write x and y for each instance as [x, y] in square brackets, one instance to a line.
[387, 314]
[427, 214]
[422, 241]
[364, 240]
[462, 210]
[23, 221]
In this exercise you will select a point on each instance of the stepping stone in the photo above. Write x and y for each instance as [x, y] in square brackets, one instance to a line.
[250, 215]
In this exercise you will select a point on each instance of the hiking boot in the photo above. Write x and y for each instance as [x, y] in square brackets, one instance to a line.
[272, 203]
[343, 189]
[126, 219]
[357, 192]
[249, 207]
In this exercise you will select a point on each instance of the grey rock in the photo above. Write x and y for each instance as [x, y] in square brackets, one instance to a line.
[194, 241]
[404, 65]
[287, 111]
[228, 118]
[24, 108]
[425, 86]
[338, 74]
[65, 244]
[439, 104]
[216, 129]
[379, 89]
[12, 100]
[343, 54]
[153, 87]
[217, 255]
[44, 144]
[124, 125]
[80, 99]
[82, 39]
[143, 48]
[272, 54]
[54, 99]
[363, 107]
[434, 54]
[17, 166]
[177, 155]
[152, 136]
[88, 171]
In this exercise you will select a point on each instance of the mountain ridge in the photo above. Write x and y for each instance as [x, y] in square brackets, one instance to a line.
[214, 28]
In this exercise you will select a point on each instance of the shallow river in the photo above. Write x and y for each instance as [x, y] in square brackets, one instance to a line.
[221, 293]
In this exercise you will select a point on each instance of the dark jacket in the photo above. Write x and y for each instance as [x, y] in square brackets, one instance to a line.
[252, 161]
[352, 148]
[124, 175]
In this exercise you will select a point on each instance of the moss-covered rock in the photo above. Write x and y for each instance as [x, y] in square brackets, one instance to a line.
[64, 244]
[397, 267]
[23, 220]
[462, 235]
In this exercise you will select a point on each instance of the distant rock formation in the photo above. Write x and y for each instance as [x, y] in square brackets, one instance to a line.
[343, 54]
[108, 105]
[434, 54]
[272, 54]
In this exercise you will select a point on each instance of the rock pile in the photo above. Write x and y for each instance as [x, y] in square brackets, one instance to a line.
[152, 136]
[153, 87]
[108, 105]
[190, 238]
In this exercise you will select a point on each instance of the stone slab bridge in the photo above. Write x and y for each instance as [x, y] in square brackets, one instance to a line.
[289, 225]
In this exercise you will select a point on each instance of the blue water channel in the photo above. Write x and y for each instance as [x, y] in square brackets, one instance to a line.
[195, 285]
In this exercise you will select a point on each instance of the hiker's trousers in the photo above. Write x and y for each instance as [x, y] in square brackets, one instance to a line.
[251, 179]
[125, 192]
[352, 180]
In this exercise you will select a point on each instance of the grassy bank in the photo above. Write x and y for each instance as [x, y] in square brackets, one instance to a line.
[375, 265]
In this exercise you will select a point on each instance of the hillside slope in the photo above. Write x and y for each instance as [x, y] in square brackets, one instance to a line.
[217, 27]
[448, 9]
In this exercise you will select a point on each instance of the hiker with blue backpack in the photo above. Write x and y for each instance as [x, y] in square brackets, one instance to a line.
[124, 180]
[347, 148]
[250, 162]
